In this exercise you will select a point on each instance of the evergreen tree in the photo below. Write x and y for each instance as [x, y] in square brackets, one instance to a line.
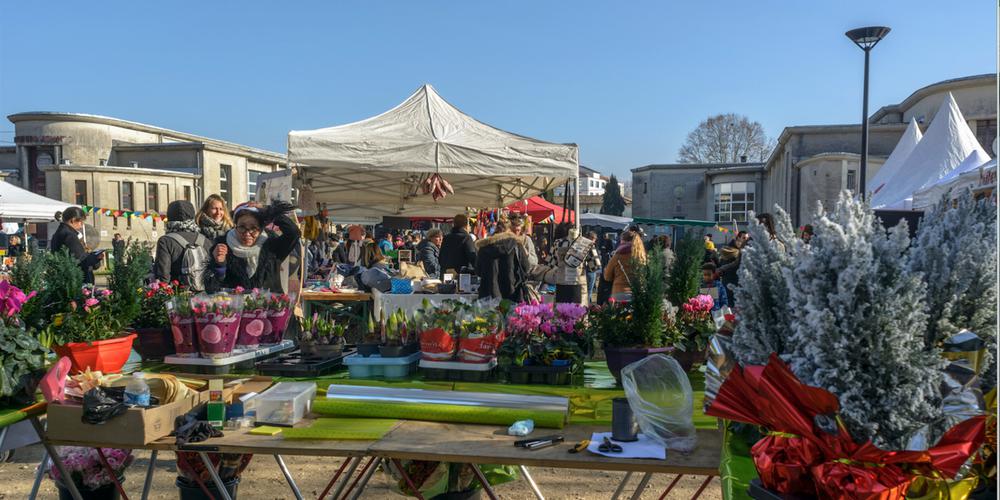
[955, 251]
[612, 203]
[857, 321]
[765, 318]
[684, 279]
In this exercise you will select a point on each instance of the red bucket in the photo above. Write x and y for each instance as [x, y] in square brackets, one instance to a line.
[106, 356]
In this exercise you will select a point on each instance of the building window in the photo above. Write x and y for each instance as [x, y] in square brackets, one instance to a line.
[252, 177]
[126, 202]
[644, 187]
[165, 189]
[187, 193]
[225, 184]
[80, 192]
[852, 180]
[986, 132]
[152, 198]
[734, 201]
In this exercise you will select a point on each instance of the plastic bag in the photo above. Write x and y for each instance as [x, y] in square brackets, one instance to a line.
[659, 393]
[99, 408]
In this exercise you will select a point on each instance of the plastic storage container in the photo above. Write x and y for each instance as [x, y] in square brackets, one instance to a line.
[375, 366]
[285, 403]
[539, 374]
[458, 371]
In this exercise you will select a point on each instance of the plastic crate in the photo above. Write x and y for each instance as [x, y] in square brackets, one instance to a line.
[458, 371]
[375, 366]
[294, 364]
[540, 374]
[285, 403]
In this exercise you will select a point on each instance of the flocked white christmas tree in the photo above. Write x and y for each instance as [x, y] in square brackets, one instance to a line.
[857, 323]
[955, 251]
[765, 321]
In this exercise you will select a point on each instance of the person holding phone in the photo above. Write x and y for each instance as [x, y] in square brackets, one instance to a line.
[68, 238]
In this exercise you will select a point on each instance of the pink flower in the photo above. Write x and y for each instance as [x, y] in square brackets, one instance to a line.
[240, 289]
[86, 292]
[105, 292]
[155, 285]
[91, 302]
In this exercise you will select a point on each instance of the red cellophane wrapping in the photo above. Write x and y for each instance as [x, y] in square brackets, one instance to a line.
[437, 345]
[480, 349]
[798, 458]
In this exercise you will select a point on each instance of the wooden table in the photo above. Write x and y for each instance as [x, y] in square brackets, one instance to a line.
[460, 443]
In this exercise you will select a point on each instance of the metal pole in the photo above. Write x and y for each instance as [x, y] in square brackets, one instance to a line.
[621, 486]
[215, 476]
[531, 483]
[288, 476]
[39, 474]
[56, 461]
[863, 188]
[149, 475]
[642, 485]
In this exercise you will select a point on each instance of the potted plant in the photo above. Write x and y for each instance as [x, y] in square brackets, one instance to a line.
[329, 338]
[370, 340]
[181, 318]
[22, 357]
[438, 331]
[152, 325]
[691, 331]
[393, 334]
[217, 320]
[254, 321]
[86, 471]
[279, 312]
[479, 335]
[543, 343]
[89, 333]
[307, 341]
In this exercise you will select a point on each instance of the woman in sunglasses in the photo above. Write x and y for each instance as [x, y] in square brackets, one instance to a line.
[249, 255]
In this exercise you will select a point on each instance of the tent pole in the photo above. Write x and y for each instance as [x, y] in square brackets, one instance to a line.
[576, 200]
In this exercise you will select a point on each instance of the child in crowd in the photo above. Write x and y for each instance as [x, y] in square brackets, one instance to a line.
[712, 286]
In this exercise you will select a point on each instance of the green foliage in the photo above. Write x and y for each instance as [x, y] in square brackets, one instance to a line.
[684, 280]
[127, 279]
[22, 358]
[27, 275]
[647, 299]
[612, 203]
[62, 281]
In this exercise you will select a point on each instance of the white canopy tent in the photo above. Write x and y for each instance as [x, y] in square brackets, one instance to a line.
[899, 155]
[947, 142]
[376, 166]
[18, 204]
[602, 220]
[964, 177]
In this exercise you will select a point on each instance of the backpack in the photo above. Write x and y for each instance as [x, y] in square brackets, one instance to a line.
[194, 261]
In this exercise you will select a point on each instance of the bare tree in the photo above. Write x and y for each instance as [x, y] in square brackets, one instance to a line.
[724, 139]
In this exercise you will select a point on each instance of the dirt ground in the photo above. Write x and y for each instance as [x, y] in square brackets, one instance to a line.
[263, 480]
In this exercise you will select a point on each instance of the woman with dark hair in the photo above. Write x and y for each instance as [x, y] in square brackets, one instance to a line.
[767, 221]
[68, 238]
[213, 218]
[249, 255]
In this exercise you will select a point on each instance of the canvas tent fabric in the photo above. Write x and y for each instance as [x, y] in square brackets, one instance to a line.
[897, 158]
[607, 221]
[18, 204]
[964, 177]
[376, 166]
[947, 142]
[541, 210]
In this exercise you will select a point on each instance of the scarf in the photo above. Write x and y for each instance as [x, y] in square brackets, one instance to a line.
[182, 226]
[354, 252]
[217, 226]
[251, 253]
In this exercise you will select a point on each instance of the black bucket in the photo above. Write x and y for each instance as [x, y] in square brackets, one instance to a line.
[191, 491]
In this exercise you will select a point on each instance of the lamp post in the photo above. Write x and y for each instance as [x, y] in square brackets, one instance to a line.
[866, 38]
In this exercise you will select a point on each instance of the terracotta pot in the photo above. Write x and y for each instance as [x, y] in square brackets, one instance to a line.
[107, 356]
[620, 357]
[154, 343]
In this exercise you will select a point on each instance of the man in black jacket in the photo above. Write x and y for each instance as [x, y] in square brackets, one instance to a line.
[182, 233]
[427, 253]
[458, 251]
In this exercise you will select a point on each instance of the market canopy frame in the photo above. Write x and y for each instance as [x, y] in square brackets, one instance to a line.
[377, 165]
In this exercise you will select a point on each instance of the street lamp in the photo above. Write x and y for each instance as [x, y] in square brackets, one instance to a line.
[867, 39]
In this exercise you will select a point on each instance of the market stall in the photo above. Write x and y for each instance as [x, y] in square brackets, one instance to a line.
[605, 221]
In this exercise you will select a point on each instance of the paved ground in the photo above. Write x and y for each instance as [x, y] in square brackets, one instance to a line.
[263, 480]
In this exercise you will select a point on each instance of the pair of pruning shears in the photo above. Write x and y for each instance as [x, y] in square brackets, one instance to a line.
[609, 447]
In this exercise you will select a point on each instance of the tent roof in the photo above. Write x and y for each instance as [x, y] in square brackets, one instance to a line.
[540, 209]
[964, 176]
[947, 142]
[603, 220]
[18, 204]
[899, 155]
[376, 166]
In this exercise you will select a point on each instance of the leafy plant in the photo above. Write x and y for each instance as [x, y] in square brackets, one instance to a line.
[27, 274]
[127, 279]
[694, 324]
[87, 319]
[153, 313]
[647, 301]
[62, 284]
[684, 279]
[22, 357]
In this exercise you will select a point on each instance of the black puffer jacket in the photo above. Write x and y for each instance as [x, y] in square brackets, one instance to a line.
[68, 239]
[458, 251]
[502, 266]
[274, 251]
[427, 254]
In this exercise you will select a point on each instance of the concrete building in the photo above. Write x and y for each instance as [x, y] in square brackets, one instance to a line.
[118, 164]
[809, 164]
[591, 204]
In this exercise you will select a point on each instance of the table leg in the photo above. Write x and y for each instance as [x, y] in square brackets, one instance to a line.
[336, 476]
[406, 477]
[671, 486]
[642, 485]
[364, 470]
[531, 483]
[703, 486]
[54, 456]
[288, 476]
[347, 477]
[364, 480]
[149, 475]
[39, 474]
[621, 486]
[215, 475]
[111, 472]
[482, 480]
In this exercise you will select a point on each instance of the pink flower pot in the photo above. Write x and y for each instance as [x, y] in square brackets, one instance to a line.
[217, 335]
[185, 337]
[253, 325]
[279, 323]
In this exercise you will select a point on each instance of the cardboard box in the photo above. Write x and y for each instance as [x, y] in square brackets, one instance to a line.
[135, 427]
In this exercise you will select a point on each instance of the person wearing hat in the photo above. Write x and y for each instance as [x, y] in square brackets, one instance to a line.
[249, 255]
[183, 238]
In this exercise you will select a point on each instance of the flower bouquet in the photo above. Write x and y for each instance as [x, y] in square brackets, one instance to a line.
[254, 321]
[181, 317]
[438, 337]
[279, 311]
[86, 471]
[153, 323]
[217, 319]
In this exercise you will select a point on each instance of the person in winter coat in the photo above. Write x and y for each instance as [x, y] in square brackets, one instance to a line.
[619, 269]
[68, 238]
[170, 248]
[213, 218]
[458, 251]
[248, 255]
[713, 287]
[336, 250]
[355, 244]
[502, 265]
[428, 251]
[729, 263]
[570, 280]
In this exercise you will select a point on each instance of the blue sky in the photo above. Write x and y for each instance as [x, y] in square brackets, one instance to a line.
[625, 80]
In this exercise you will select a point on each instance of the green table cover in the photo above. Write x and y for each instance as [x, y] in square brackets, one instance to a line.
[736, 468]
[11, 416]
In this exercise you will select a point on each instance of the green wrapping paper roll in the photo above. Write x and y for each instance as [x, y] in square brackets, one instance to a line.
[459, 414]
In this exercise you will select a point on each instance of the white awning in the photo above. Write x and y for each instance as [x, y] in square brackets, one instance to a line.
[18, 204]
[895, 162]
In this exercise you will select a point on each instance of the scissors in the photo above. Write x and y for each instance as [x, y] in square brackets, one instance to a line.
[609, 447]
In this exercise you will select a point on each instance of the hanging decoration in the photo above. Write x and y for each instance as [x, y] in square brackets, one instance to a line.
[128, 214]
